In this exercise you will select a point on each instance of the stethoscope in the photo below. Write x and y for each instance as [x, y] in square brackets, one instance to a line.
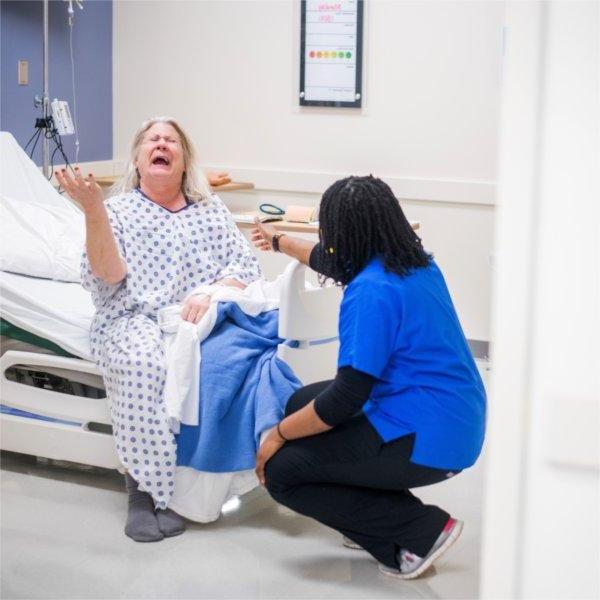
[271, 209]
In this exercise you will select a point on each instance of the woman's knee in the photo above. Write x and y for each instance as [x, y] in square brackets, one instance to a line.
[146, 365]
[279, 474]
[303, 396]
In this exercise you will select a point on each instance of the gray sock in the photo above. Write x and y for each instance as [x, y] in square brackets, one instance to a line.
[142, 523]
[169, 522]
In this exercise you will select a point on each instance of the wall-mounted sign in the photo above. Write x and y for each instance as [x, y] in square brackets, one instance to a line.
[331, 53]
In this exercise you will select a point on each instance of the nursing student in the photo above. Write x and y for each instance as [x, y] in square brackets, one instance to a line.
[407, 406]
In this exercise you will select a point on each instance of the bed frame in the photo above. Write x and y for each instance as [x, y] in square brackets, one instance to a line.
[308, 315]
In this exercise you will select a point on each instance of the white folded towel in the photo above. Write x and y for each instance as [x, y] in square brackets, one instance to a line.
[183, 339]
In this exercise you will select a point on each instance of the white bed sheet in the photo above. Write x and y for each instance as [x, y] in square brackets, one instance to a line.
[57, 311]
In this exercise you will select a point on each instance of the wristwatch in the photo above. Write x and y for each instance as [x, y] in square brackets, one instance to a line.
[275, 241]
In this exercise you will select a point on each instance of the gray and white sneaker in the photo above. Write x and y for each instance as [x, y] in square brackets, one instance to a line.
[411, 565]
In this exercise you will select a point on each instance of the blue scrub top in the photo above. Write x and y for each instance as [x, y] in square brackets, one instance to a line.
[404, 331]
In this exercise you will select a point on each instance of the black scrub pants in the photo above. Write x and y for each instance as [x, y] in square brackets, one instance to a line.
[349, 479]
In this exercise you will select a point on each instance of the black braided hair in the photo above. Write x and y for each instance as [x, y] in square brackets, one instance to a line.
[360, 218]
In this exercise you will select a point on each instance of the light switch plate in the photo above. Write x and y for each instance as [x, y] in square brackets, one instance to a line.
[23, 72]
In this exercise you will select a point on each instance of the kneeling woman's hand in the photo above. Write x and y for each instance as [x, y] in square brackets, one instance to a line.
[262, 234]
[270, 446]
[195, 307]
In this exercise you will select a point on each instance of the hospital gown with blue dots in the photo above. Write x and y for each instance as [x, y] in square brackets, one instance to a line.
[168, 255]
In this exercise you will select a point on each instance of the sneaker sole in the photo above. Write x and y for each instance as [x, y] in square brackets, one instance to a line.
[426, 563]
[348, 543]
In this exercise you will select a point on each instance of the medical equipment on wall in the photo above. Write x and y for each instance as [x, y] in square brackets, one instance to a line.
[70, 9]
[62, 117]
[49, 127]
[54, 405]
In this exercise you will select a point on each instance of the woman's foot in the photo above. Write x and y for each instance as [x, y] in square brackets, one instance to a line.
[169, 522]
[142, 522]
[411, 565]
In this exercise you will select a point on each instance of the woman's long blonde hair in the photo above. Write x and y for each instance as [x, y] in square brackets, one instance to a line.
[194, 184]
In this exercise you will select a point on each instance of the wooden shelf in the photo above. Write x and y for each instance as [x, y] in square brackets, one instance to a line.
[284, 226]
[234, 186]
[296, 227]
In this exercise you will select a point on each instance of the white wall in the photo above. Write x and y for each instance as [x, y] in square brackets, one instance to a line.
[229, 71]
[542, 516]
[460, 236]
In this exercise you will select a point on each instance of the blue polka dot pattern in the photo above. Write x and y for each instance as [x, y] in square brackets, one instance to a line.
[168, 254]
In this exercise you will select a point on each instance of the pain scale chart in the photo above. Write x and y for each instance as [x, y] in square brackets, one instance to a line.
[331, 53]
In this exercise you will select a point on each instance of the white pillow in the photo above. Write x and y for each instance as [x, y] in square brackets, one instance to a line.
[40, 239]
[20, 178]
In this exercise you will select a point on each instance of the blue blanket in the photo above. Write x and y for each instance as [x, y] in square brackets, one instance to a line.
[244, 388]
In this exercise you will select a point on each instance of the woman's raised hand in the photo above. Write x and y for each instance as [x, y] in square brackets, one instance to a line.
[84, 191]
[262, 234]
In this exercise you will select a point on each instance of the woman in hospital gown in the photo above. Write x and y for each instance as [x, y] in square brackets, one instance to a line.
[171, 235]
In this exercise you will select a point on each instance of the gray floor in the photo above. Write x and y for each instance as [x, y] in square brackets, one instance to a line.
[62, 537]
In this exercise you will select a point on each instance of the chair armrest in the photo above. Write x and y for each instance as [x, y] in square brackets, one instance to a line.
[307, 313]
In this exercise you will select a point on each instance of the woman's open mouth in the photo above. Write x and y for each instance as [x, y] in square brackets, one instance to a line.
[161, 160]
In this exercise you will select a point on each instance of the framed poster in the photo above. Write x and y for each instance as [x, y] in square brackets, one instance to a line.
[331, 34]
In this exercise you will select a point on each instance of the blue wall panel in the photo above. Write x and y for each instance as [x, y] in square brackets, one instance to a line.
[21, 39]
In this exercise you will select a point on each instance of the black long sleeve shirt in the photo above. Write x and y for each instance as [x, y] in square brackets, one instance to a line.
[344, 396]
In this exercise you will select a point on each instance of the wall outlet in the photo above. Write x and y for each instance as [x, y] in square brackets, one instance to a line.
[23, 72]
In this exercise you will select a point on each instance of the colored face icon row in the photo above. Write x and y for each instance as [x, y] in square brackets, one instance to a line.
[329, 54]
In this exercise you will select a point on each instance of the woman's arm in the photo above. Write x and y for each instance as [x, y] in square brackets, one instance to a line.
[196, 306]
[338, 402]
[262, 237]
[302, 423]
[231, 282]
[101, 246]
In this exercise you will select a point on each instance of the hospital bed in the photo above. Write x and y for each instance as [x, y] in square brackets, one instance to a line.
[52, 396]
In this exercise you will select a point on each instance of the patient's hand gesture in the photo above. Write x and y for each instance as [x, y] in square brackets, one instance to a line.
[84, 191]
[195, 307]
[262, 234]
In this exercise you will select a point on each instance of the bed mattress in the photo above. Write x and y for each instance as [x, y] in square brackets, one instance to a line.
[57, 311]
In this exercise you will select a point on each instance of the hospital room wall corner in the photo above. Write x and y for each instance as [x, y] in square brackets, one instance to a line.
[22, 39]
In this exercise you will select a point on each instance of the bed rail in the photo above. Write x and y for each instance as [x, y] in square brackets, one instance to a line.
[50, 403]
[74, 442]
